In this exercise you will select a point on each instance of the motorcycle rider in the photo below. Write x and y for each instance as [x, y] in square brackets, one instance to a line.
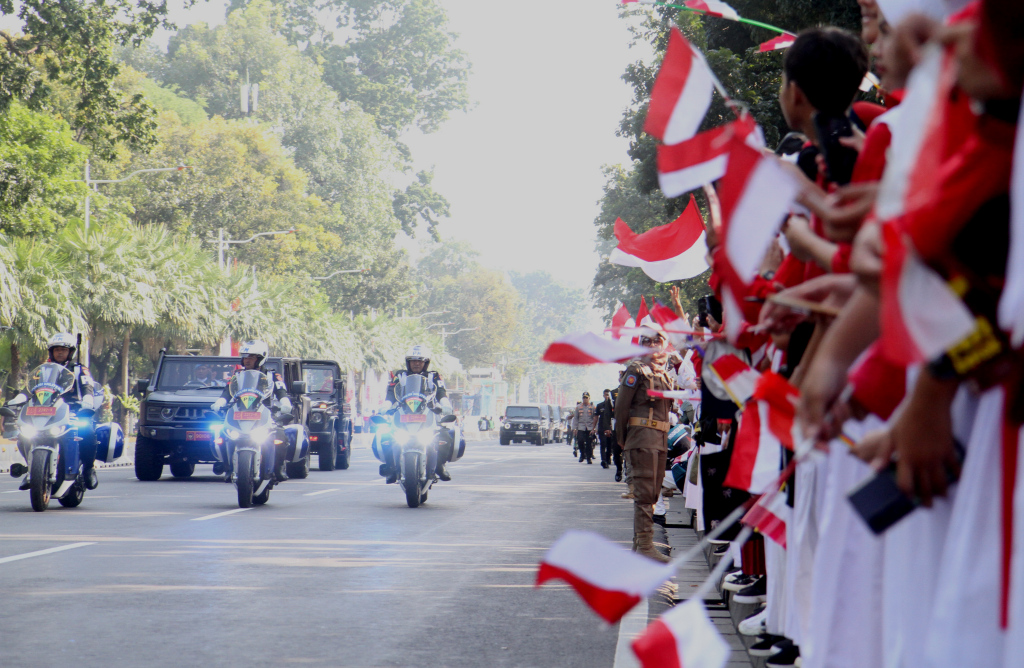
[60, 349]
[253, 355]
[417, 361]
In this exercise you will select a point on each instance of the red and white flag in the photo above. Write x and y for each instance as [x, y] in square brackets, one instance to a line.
[755, 195]
[678, 331]
[783, 41]
[666, 253]
[713, 8]
[621, 320]
[738, 378]
[921, 317]
[643, 316]
[591, 348]
[767, 425]
[770, 514]
[607, 576]
[681, 395]
[781, 399]
[683, 637]
[681, 94]
[703, 159]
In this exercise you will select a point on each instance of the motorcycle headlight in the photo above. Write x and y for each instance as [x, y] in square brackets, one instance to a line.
[259, 434]
[28, 431]
[232, 433]
[56, 431]
[425, 437]
[402, 437]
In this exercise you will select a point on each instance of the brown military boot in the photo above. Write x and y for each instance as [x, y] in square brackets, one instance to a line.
[643, 534]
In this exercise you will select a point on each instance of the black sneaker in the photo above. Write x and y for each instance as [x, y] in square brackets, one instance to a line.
[766, 646]
[787, 657]
[618, 476]
[722, 549]
[755, 593]
[735, 583]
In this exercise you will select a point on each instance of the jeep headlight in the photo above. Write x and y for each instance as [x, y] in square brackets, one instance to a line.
[506, 425]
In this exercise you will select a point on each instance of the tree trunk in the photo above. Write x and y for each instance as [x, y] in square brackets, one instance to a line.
[126, 416]
[15, 380]
[357, 381]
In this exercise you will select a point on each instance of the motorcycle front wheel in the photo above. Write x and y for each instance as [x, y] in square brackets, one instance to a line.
[246, 478]
[412, 486]
[39, 475]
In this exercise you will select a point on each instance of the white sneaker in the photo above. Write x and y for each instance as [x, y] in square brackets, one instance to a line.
[754, 625]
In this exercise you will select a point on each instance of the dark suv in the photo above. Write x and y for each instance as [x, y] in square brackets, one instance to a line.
[522, 423]
[175, 420]
[330, 428]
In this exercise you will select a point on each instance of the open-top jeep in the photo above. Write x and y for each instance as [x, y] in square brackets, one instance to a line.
[176, 424]
[330, 428]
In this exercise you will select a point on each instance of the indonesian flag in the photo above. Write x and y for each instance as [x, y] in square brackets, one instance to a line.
[681, 395]
[921, 317]
[783, 41]
[766, 426]
[755, 195]
[678, 331]
[683, 637]
[681, 94]
[608, 577]
[769, 516]
[736, 376]
[591, 348]
[666, 253]
[621, 320]
[713, 8]
[701, 160]
[643, 316]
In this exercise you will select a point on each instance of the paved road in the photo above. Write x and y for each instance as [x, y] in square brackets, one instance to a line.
[335, 570]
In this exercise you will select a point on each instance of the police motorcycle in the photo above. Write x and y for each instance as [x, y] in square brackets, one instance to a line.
[414, 431]
[246, 442]
[48, 438]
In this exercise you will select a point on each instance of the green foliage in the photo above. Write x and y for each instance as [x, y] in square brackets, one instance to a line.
[165, 99]
[420, 202]
[39, 159]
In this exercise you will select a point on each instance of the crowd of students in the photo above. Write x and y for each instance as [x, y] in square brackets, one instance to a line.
[922, 185]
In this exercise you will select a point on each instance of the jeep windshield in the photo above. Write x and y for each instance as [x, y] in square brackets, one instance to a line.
[193, 374]
[319, 379]
[522, 412]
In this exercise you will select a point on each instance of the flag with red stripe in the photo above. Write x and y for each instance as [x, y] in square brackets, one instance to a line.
[713, 8]
[666, 253]
[783, 41]
[738, 378]
[681, 94]
[591, 348]
[769, 516]
[621, 320]
[767, 425]
[608, 577]
[683, 637]
[703, 159]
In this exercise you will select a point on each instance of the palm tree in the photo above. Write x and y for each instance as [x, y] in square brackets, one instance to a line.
[10, 293]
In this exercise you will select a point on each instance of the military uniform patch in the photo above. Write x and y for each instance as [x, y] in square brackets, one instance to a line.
[631, 380]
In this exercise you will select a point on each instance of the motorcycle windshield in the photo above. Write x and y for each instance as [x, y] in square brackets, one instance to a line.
[48, 382]
[414, 393]
[249, 381]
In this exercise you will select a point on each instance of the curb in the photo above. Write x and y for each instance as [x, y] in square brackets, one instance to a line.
[9, 455]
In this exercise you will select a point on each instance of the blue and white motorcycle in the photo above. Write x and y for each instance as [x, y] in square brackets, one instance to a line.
[48, 438]
[247, 441]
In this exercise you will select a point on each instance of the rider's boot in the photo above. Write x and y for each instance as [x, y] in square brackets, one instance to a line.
[442, 472]
[91, 480]
[25, 484]
[388, 473]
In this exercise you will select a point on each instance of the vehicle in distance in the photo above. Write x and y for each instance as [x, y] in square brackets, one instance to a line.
[520, 423]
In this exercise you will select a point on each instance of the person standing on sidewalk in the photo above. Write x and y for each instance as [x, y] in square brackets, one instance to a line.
[584, 419]
[641, 428]
[605, 417]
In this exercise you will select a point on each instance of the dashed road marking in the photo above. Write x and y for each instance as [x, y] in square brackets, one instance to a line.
[216, 515]
[39, 553]
[322, 491]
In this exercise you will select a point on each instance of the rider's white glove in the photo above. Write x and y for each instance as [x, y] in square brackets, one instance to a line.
[219, 404]
[286, 405]
[88, 402]
[18, 400]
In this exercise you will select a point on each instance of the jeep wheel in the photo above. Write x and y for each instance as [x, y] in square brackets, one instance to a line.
[503, 440]
[182, 469]
[326, 456]
[149, 463]
[298, 469]
[344, 456]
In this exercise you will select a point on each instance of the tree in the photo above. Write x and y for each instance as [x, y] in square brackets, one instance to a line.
[39, 160]
[70, 43]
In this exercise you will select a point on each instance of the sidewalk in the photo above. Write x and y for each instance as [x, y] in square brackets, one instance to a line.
[724, 616]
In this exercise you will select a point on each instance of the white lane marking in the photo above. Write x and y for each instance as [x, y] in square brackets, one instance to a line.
[13, 491]
[323, 491]
[216, 515]
[630, 626]
[40, 553]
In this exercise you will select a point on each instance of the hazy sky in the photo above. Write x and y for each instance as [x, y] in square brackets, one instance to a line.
[522, 169]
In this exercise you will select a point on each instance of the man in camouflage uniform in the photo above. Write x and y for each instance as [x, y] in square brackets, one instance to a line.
[584, 423]
[641, 429]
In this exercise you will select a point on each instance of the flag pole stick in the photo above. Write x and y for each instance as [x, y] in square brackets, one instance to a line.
[721, 566]
[723, 526]
[740, 19]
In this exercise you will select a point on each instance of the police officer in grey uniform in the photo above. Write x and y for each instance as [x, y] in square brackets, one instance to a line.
[641, 428]
[584, 420]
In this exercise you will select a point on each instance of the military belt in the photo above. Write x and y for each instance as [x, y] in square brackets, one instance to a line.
[660, 425]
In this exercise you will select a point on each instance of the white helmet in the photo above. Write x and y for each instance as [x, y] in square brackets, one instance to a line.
[257, 348]
[418, 352]
[62, 340]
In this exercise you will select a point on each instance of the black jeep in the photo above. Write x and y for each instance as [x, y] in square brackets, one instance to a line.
[175, 420]
[329, 426]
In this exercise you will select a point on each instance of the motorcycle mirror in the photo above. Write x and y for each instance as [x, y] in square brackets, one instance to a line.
[378, 419]
[449, 418]
[286, 418]
[7, 412]
[298, 387]
[85, 413]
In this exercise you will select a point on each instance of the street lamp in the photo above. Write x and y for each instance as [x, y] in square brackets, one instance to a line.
[439, 324]
[445, 335]
[340, 271]
[92, 183]
[222, 243]
[422, 315]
